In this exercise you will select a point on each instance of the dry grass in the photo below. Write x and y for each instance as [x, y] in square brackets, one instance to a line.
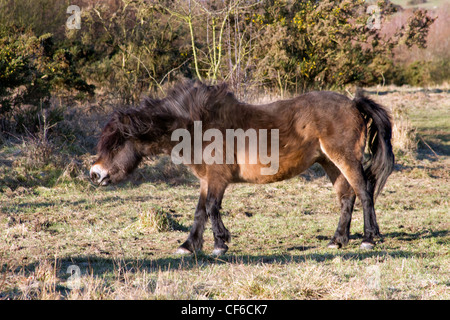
[404, 136]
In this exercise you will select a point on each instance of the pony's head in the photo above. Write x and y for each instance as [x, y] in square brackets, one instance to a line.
[119, 149]
[134, 133]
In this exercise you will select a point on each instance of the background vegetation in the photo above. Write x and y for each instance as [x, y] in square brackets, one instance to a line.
[57, 87]
[50, 75]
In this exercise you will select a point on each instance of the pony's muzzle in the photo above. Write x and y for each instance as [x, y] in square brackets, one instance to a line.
[99, 175]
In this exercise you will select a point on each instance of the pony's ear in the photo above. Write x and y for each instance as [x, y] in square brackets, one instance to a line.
[111, 136]
[129, 123]
[120, 121]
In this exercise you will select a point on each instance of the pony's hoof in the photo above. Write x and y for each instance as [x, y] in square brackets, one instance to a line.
[182, 251]
[333, 245]
[367, 246]
[219, 252]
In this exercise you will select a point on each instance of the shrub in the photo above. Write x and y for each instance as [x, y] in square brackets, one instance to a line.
[39, 16]
[329, 44]
[128, 50]
[422, 73]
[31, 70]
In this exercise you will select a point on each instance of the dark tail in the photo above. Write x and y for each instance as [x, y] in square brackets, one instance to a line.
[379, 132]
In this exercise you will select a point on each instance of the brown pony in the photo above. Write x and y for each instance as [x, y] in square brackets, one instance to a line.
[316, 127]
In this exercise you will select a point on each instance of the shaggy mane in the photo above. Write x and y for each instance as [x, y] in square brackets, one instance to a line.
[191, 101]
[185, 103]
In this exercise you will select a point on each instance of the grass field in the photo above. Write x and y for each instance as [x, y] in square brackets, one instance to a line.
[120, 240]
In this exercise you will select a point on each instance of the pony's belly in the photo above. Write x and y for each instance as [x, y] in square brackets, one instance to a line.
[253, 173]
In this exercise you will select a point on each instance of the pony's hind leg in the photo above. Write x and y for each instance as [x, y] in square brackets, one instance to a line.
[351, 167]
[346, 197]
[355, 176]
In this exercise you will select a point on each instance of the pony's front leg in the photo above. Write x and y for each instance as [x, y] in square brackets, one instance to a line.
[221, 234]
[195, 240]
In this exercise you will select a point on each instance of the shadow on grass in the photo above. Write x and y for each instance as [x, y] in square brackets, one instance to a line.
[14, 207]
[385, 91]
[110, 266]
[116, 269]
[424, 234]
[98, 265]
[306, 254]
[111, 269]
[432, 144]
[85, 203]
